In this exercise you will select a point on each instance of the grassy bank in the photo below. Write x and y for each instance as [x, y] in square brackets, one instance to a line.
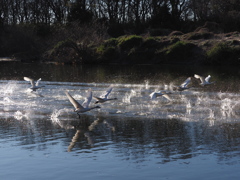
[91, 44]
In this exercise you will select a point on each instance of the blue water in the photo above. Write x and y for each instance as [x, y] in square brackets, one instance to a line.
[196, 136]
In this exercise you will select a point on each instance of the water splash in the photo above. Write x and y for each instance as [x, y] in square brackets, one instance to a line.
[146, 84]
[8, 100]
[128, 96]
[9, 88]
[227, 107]
[56, 113]
[18, 115]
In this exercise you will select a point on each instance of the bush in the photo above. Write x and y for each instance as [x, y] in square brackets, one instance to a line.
[178, 47]
[111, 42]
[223, 53]
[150, 43]
[199, 35]
[179, 51]
[129, 42]
[105, 52]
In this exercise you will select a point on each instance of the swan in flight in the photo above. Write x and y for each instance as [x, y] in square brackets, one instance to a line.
[184, 85]
[160, 93]
[104, 97]
[34, 86]
[204, 81]
[85, 105]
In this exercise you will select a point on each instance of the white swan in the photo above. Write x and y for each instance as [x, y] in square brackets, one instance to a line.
[34, 86]
[85, 105]
[154, 95]
[204, 81]
[104, 97]
[184, 85]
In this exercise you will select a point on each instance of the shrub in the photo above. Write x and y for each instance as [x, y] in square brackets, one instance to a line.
[111, 42]
[150, 42]
[199, 35]
[105, 50]
[177, 47]
[179, 50]
[129, 42]
[223, 53]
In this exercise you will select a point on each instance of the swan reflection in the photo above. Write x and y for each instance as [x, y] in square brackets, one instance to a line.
[86, 129]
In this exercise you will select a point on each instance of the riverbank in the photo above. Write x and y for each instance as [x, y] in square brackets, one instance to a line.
[201, 47]
[204, 46]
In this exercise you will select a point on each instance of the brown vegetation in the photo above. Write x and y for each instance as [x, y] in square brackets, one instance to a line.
[136, 31]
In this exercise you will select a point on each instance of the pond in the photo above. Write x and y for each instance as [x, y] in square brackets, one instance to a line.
[194, 135]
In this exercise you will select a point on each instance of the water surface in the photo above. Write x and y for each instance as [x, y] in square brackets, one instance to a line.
[194, 136]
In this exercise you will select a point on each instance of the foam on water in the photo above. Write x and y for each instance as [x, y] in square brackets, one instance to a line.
[132, 100]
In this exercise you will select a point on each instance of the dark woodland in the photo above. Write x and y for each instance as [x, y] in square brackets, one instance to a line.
[96, 31]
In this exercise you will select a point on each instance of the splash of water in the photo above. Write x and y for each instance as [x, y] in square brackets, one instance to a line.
[211, 115]
[18, 115]
[9, 88]
[128, 96]
[7, 100]
[227, 107]
[56, 113]
[147, 84]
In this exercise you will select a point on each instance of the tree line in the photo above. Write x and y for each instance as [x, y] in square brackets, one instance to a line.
[120, 15]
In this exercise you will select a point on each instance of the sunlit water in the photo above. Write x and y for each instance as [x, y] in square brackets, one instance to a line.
[194, 136]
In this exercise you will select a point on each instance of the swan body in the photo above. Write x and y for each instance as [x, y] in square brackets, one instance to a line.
[204, 81]
[154, 95]
[104, 97]
[184, 85]
[85, 105]
[34, 86]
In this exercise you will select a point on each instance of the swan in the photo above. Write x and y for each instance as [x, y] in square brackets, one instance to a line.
[35, 86]
[104, 97]
[184, 85]
[204, 81]
[154, 95]
[85, 105]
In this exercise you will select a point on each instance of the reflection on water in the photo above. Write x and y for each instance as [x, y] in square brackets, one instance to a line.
[168, 139]
[198, 131]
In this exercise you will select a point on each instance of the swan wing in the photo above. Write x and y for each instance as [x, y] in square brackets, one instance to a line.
[199, 77]
[153, 95]
[98, 98]
[167, 97]
[38, 81]
[107, 92]
[73, 101]
[88, 99]
[207, 78]
[186, 82]
[29, 79]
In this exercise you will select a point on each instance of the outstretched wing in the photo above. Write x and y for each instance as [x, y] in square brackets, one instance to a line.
[108, 91]
[29, 79]
[199, 77]
[167, 97]
[88, 98]
[153, 95]
[38, 81]
[73, 101]
[207, 78]
[186, 82]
